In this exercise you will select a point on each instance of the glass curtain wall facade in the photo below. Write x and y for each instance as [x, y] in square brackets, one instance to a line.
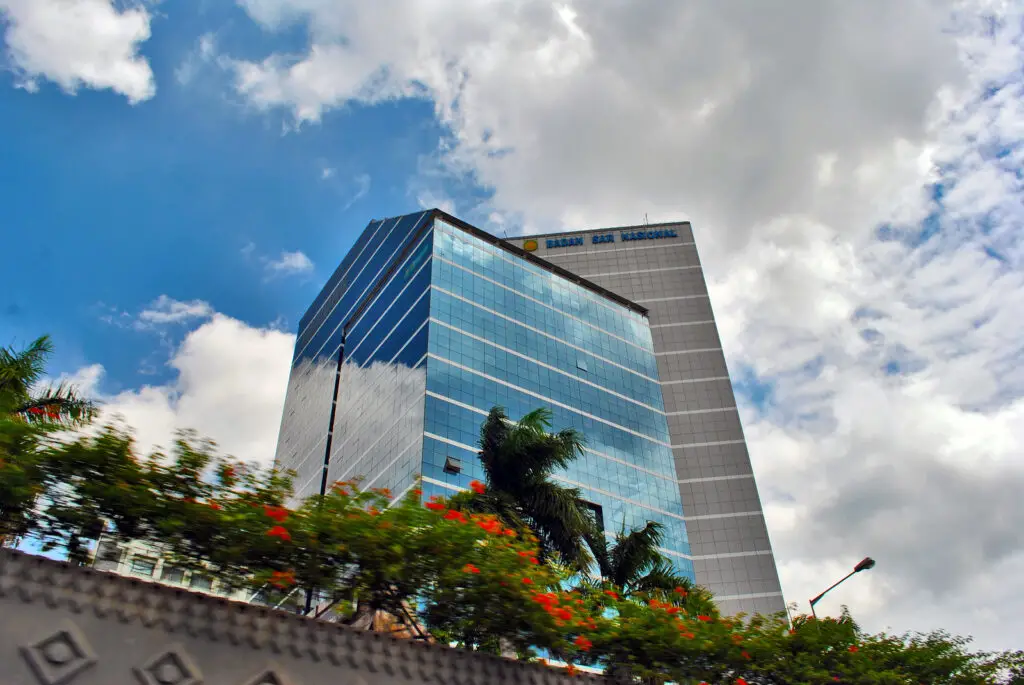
[427, 324]
[507, 332]
[658, 267]
[354, 405]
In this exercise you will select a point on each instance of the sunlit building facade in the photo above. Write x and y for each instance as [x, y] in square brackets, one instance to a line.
[427, 324]
[658, 267]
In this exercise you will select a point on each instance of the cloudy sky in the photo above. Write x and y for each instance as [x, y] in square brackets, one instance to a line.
[177, 180]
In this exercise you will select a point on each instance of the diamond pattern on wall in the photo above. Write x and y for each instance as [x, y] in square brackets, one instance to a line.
[171, 667]
[269, 676]
[59, 657]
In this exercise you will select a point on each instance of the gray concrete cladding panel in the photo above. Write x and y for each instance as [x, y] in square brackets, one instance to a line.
[664, 275]
[691, 366]
[702, 335]
[710, 427]
[686, 339]
[62, 625]
[598, 260]
[698, 395]
[758, 570]
[679, 311]
[703, 460]
[643, 285]
[710, 497]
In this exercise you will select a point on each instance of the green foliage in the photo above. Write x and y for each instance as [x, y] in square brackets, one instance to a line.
[29, 417]
[480, 570]
[519, 459]
[21, 372]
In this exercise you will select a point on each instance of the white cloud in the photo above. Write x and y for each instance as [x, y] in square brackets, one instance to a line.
[788, 133]
[166, 310]
[203, 54]
[326, 173]
[77, 43]
[290, 263]
[229, 386]
[362, 183]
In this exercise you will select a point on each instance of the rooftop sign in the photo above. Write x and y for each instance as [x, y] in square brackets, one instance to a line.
[572, 241]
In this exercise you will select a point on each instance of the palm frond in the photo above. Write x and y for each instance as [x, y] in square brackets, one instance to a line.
[662, 576]
[559, 514]
[635, 553]
[537, 421]
[60, 403]
[19, 371]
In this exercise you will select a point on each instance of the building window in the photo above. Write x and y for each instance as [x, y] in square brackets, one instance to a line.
[201, 582]
[452, 465]
[172, 574]
[581, 364]
[143, 566]
[108, 556]
[596, 514]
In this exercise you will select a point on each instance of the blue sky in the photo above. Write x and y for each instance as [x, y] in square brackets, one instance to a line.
[178, 178]
[116, 205]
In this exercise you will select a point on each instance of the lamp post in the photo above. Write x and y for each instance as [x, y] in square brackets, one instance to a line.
[864, 564]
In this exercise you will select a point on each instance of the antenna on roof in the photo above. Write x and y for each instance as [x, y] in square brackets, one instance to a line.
[645, 218]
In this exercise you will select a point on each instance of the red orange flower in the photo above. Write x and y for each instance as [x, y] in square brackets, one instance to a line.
[702, 617]
[435, 506]
[478, 487]
[853, 648]
[281, 579]
[454, 515]
[583, 643]
[279, 532]
[470, 568]
[279, 514]
[546, 599]
[492, 526]
[681, 591]
[745, 654]
[527, 581]
[613, 595]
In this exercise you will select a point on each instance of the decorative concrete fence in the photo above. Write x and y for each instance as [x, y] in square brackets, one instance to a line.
[65, 625]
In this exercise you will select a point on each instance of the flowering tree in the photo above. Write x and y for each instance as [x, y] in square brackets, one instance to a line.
[477, 570]
[467, 578]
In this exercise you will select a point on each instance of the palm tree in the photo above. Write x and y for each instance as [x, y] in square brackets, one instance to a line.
[634, 565]
[20, 373]
[519, 459]
[27, 414]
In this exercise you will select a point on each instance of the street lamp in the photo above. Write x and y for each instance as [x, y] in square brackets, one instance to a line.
[864, 564]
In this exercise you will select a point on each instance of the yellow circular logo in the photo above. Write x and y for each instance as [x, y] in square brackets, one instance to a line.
[530, 245]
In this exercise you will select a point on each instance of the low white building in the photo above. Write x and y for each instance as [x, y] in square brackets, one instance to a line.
[145, 561]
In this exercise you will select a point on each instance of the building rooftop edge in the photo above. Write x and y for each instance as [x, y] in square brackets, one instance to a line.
[603, 229]
[543, 263]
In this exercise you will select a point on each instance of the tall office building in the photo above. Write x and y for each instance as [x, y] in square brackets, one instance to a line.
[429, 322]
[657, 266]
